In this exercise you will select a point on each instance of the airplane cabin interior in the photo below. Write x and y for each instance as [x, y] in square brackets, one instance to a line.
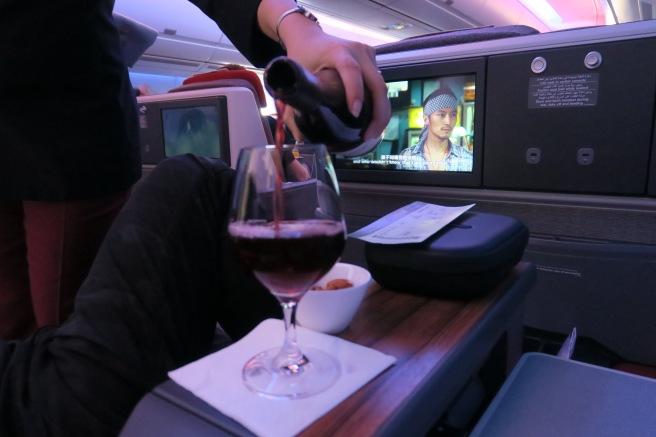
[559, 117]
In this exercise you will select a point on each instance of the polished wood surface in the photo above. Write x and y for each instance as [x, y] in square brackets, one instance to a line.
[438, 344]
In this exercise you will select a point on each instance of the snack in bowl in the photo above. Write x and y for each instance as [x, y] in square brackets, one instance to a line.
[329, 306]
[334, 284]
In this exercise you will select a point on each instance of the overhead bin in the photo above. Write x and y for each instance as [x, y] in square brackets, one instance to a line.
[437, 13]
[188, 41]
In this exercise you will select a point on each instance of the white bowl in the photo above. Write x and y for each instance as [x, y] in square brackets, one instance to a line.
[331, 311]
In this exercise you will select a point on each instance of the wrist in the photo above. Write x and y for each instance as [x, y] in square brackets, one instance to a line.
[295, 21]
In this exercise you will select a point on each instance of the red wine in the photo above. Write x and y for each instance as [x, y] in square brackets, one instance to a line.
[278, 200]
[289, 259]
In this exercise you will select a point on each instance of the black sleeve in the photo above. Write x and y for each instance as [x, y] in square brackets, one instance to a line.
[238, 20]
[162, 279]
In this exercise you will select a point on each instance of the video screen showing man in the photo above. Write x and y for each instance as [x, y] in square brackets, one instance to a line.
[191, 130]
[435, 150]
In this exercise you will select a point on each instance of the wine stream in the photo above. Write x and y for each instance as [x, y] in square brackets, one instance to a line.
[279, 136]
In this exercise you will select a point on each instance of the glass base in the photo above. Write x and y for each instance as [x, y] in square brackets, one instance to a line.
[316, 373]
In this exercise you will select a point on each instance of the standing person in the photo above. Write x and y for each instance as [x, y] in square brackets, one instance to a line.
[435, 151]
[69, 135]
[68, 151]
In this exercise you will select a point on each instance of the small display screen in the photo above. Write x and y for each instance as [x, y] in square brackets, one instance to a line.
[193, 129]
[431, 129]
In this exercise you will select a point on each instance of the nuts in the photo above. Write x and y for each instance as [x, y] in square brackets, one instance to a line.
[335, 284]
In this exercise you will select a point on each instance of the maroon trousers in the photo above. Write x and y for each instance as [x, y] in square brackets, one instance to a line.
[46, 249]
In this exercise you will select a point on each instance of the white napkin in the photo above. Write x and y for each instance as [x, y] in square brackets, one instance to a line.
[216, 379]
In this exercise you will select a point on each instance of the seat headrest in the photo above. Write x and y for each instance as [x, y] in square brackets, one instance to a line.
[226, 77]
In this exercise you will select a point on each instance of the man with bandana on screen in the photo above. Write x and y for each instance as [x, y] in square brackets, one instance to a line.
[434, 150]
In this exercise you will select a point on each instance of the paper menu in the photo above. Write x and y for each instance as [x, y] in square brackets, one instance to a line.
[412, 223]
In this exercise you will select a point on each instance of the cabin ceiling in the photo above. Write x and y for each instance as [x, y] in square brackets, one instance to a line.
[189, 42]
[427, 16]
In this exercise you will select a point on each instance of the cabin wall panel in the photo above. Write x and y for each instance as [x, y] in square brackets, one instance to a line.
[568, 108]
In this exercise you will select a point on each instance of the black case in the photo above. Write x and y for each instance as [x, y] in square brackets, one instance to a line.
[465, 259]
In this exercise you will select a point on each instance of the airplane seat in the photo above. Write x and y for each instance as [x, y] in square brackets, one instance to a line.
[230, 78]
[456, 37]
[206, 80]
[547, 395]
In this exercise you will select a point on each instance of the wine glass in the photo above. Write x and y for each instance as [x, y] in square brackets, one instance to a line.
[289, 230]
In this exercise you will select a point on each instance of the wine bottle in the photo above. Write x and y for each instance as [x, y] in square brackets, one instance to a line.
[320, 109]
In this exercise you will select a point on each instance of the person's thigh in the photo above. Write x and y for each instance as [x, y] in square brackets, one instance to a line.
[16, 316]
[62, 241]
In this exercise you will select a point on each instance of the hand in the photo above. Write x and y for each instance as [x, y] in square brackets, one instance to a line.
[314, 49]
[356, 64]
[143, 90]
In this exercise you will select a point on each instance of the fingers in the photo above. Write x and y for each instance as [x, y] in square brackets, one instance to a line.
[360, 71]
[349, 68]
[356, 65]
[381, 107]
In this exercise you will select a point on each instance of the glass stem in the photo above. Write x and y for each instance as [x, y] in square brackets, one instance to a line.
[290, 359]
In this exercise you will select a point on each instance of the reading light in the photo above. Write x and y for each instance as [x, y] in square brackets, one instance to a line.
[396, 26]
[543, 10]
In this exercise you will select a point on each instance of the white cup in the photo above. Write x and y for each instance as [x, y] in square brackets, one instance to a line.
[331, 311]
